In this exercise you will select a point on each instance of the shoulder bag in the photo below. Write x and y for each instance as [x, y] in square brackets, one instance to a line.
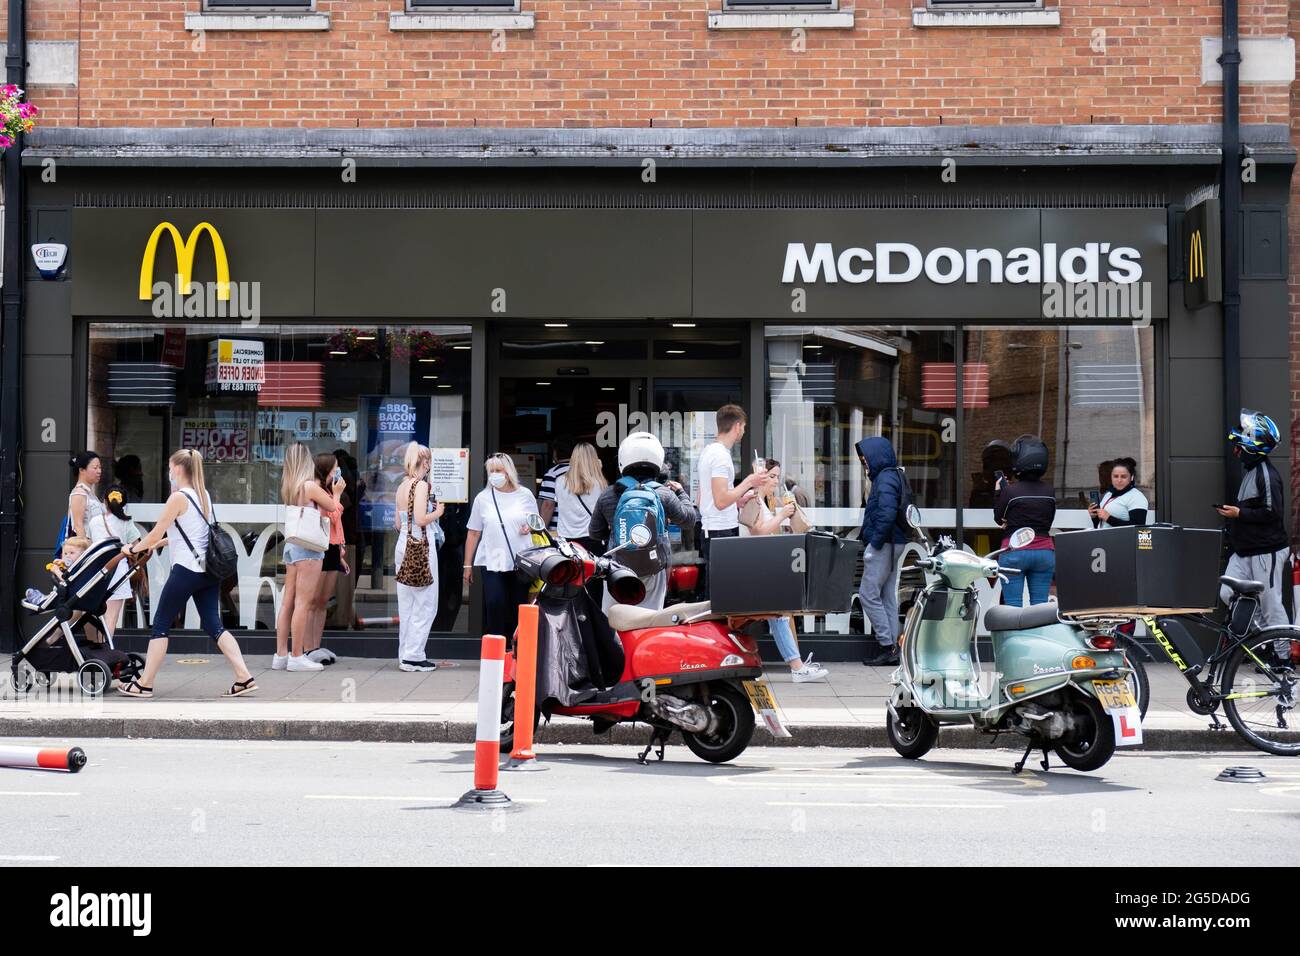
[306, 527]
[414, 572]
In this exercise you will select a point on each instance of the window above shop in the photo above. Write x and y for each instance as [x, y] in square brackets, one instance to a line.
[461, 15]
[985, 13]
[781, 15]
[257, 15]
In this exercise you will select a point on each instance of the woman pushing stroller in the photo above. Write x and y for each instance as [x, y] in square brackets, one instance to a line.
[184, 522]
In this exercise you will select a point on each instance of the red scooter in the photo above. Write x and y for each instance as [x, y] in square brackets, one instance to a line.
[680, 668]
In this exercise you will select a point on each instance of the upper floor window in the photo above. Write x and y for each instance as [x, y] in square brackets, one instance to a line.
[258, 5]
[778, 4]
[462, 4]
[985, 4]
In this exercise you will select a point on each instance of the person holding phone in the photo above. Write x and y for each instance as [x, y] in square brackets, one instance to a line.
[1122, 504]
[329, 475]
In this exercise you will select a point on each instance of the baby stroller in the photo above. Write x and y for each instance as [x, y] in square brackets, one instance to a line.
[61, 645]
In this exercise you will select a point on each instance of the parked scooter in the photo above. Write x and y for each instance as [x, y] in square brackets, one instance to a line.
[1053, 682]
[681, 668]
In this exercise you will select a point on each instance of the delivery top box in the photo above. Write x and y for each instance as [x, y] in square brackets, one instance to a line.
[810, 573]
[1162, 569]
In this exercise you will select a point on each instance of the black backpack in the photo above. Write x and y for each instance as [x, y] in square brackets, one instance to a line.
[221, 560]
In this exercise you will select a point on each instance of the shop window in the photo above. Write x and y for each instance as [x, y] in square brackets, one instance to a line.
[830, 387]
[241, 395]
[1089, 393]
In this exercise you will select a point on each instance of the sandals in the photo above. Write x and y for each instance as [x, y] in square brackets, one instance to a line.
[240, 688]
[133, 688]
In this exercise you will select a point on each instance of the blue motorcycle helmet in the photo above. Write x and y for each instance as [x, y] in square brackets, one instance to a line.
[1257, 436]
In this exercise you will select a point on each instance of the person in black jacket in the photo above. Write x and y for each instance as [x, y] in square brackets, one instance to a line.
[1256, 523]
[882, 541]
[1027, 502]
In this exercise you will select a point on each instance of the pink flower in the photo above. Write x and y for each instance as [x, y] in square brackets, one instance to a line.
[5, 141]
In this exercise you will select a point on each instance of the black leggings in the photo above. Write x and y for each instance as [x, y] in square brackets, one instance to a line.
[182, 585]
[503, 592]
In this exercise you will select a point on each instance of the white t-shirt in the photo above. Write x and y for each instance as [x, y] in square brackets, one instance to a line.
[494, 553]
[715, 462]
[573, 512]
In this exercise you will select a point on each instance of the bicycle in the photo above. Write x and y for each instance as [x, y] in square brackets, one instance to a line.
[1252, 673]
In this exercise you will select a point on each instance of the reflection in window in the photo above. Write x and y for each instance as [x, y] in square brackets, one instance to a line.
[830, 387]
[240, 396]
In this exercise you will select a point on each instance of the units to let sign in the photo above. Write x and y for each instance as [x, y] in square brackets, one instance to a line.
[236, 365]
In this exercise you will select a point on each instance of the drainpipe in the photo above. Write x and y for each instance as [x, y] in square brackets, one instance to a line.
[1231, 175]
[11, 311]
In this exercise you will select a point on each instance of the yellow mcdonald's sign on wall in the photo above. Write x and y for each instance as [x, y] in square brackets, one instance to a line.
[1196, 257]
[185, 251]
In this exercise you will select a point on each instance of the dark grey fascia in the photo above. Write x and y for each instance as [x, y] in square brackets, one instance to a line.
[767, 146]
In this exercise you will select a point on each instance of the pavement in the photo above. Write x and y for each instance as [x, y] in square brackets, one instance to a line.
[359, 699]
[274, 803]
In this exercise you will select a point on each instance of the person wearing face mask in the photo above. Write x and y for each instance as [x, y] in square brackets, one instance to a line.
[88, 517]
[497, 530]
[1122, 504]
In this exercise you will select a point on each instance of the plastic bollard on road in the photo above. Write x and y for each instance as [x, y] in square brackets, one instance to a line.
[487, 741]
[70, 759]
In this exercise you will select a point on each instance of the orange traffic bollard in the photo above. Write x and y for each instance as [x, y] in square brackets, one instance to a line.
[522, 756]
[70, 759]
[487, 742]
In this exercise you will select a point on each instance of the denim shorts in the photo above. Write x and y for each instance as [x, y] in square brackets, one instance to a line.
[293, 553]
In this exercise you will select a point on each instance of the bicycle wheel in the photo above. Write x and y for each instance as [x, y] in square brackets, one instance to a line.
[1260, 690]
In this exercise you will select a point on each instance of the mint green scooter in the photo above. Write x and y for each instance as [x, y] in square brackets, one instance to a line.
[1055, 683]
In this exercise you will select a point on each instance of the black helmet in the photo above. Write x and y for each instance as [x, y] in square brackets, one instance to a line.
[1029, 456]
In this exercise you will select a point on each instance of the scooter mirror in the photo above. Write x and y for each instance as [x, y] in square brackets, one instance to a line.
[914, 517]
[1022, 537]
[640, 535]
[535, 523]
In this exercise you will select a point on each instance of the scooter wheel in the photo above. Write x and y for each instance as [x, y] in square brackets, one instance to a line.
[911, 731]
[734, 730]
[508, 719]
[1094, 743]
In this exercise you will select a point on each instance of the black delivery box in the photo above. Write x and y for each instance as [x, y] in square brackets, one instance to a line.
[782, 573]
[1163, 569]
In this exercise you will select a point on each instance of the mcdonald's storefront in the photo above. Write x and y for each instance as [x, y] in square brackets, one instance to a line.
[237, 310]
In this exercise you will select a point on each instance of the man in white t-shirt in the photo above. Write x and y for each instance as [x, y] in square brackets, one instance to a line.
[720, 496]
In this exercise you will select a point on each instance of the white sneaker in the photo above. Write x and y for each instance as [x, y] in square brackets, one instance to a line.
[808, 673]
[322, 655]
[416, 666]
[303, 663]
[279, 662]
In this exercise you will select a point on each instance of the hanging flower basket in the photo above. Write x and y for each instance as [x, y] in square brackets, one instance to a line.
[18, 115]
[401, 344]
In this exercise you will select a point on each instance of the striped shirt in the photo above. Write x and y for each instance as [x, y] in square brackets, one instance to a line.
[547, 491]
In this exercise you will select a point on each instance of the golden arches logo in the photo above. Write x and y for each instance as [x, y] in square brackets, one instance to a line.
[185, 251]
[1196, 257]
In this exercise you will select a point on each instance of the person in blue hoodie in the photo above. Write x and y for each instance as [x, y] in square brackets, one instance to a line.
[883, 539]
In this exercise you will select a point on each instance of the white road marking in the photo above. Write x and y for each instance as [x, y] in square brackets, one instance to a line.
[885, 806]
[38, 793]
[27, 859]
[1259, 810]
[414, 799]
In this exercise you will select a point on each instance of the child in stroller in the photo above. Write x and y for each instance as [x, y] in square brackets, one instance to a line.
[63, 644]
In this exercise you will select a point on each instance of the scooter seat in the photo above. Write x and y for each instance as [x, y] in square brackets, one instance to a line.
[629, 617]
[1004, 617]
[1242, 586]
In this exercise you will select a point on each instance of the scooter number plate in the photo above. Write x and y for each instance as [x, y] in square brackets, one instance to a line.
[1114, 695]
[760, 695]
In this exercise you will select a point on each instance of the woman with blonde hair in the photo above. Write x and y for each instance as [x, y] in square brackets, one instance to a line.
[329, 474]
[417, 599]
[302, 563]
[576, 491]
[497, 530]
[185, 520]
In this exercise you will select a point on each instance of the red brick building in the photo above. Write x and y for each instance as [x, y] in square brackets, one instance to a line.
[1093, 120]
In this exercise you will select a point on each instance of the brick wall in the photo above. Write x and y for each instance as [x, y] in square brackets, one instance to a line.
[642, 63]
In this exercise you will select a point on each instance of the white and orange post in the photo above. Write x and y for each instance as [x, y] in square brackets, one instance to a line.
[487, 741]
[70, 759]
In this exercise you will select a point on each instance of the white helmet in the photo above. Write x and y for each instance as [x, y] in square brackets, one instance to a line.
[641, 450]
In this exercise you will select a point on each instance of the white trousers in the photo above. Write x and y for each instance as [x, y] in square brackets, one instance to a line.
[416, 607]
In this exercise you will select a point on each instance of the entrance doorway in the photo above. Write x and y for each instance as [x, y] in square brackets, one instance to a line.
[599, 383]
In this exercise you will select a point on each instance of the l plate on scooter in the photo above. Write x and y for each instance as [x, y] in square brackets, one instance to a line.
[764, 704]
